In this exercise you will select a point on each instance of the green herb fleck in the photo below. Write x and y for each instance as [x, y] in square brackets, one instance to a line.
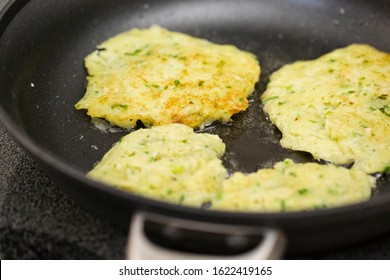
[221, 63]
[303, 191]
[153, 159]
[169, 191]
[134, 53]
[361, 79]
[385, 110]
[320, 206]
[144, 143]
[176, 82]
[219, 196]
[120, 106]
[292, 174]
[335, 191]
[283, 206]
[271, 98]
[290, 88]
[178, 169]
[200, 84]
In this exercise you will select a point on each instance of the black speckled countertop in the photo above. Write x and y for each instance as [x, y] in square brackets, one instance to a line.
[39, 221]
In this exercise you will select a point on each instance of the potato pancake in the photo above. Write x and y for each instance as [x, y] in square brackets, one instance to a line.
[336, 107]
[161, 77]
[169, 162]
[293, 187]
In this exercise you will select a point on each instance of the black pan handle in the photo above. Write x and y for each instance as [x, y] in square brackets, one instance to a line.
[155, 237]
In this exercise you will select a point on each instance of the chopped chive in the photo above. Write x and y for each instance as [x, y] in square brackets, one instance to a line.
[320, 206]
[363, 125]
[221, 63]
[283, 205]
[271, 98]
[178, 169]
[134, 53]
[121, 106]
[152, 159]
[144, 143]
[169, 191]
[303, 191]
[385, 110]
[219, 196]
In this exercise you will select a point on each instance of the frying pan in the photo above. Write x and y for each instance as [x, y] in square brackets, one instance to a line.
[42, 47]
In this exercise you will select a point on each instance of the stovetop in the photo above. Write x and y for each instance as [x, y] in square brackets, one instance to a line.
[39, 221]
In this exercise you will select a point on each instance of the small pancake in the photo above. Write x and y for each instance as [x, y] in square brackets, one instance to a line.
[168, 162]
[293, 187]
[161, 77]
[336, 107]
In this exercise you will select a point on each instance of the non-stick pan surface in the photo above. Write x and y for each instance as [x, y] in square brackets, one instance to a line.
[42, 47]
